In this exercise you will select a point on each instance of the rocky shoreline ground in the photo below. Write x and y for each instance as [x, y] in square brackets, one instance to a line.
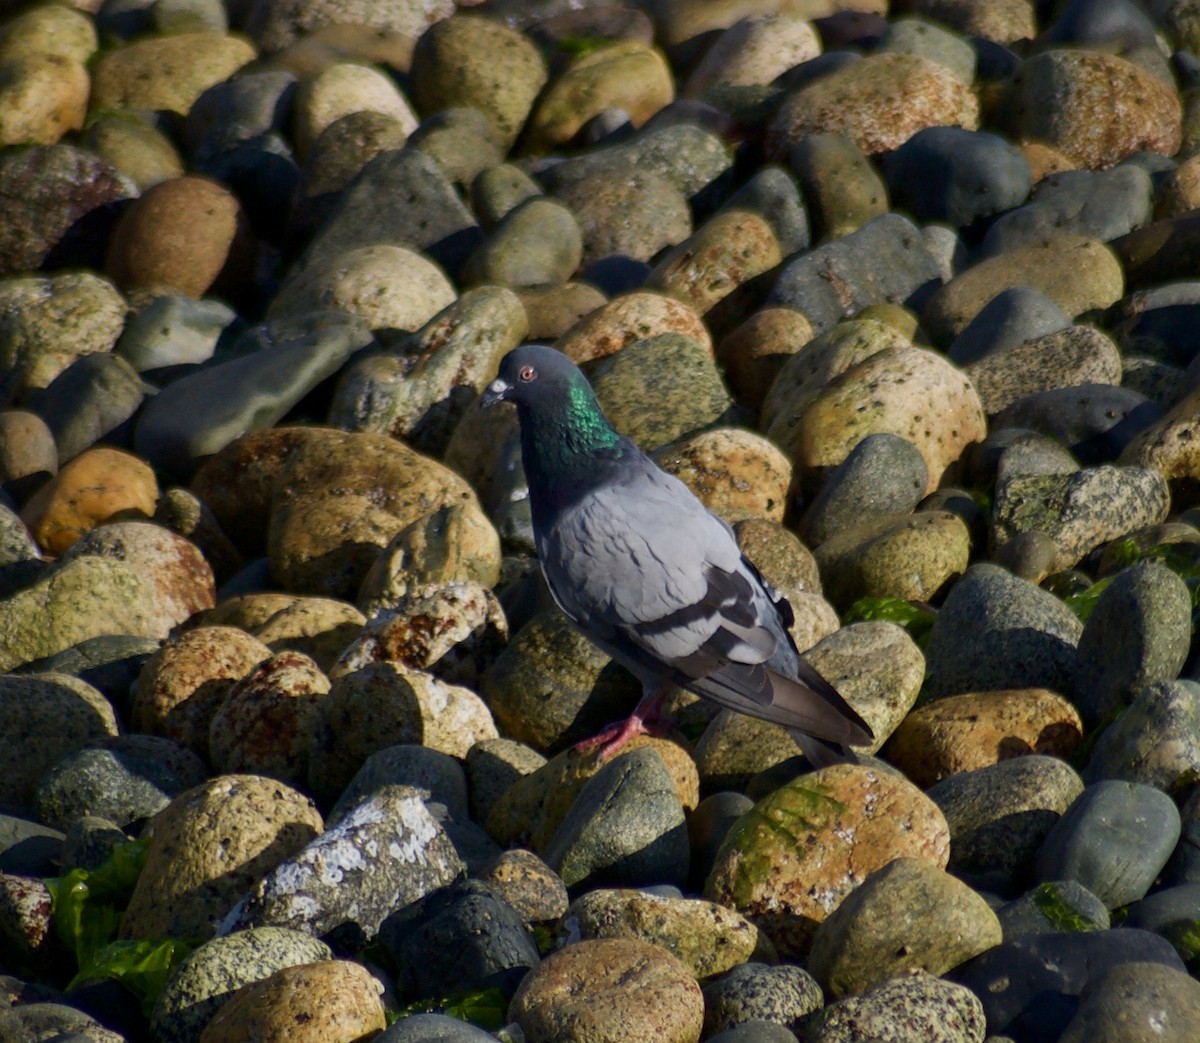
[907, 296]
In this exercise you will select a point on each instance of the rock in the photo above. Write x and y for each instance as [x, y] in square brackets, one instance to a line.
[1097, 422]
[211, 844]
[977, 729]
[999, 815]
[91, 400]
[277, 23]
[936, 1010]
[93, 487]
[626, 320]
[28, 456]
[1122, 1002]
[846, 821]
[527, 884]
[338, 90]
[858, 100]
[1012, 318]
[735, 473]
[782, 995]
[626, 75]
[616, 988]
[907, 916]
[1155, 741]
[840, 184]
[436, 778]
[1138, 633]
[754, 352]
[338, 879]
[182, 685]
[28, 848]
[957, 176]
[708, 938]
[332, 1000]
[996, 631]
[213, 973]
[462, 142]
[1066, 98]
[754, 50]
[44, 97]
[1054, 906]
[537, 242]
[1114, 839]
[626, 826]
[142, 154]
[884, 260]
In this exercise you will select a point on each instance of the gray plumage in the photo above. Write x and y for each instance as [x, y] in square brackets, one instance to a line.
[649, 574]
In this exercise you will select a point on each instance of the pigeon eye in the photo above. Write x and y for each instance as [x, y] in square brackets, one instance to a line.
[527, 374]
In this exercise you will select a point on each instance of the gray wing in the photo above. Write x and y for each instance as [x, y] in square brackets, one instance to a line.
[658, 582]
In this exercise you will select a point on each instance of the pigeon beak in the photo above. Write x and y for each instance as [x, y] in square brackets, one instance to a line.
[497, 391]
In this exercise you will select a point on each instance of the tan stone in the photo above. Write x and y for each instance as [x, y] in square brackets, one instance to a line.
[627, 319]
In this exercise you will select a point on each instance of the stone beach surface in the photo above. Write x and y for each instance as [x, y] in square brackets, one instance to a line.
[906, 294]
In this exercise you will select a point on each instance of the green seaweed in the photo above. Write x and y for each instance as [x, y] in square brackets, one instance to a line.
[1056, 910]
[915, 617]
[486, 1008]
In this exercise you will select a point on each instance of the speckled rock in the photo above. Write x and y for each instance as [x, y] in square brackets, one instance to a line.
[340, 500]
[997, 631]
[552, 310]
[935, 1010]
[1167, 443]
[277, 23]
[1068, 99]
[182, 685]
[317, 627]
[140, 151]
[909, 556]
[1010, 319]
[617, 989]
[166, 72]
[48, 717]
[820, 433]
[862, 101]
[907, 916]
[845, 822]
[49, 30]
[708, 938]
[437, 778]
[1156, 741]
[753, 996]
[626, 75]
[735, 473]
[1078, 274]
[537, 242]
[478, 62]
[43, 98]
[632, 385]
[754, 50]
[183, 233]
[90, 489]
[210, 976]
[337, 91]
[754, 351]
[210, 845]
[1000, 815]
[1128, 999]
[338, 880]
[333, 1001]
[977, 729]
[627, 319]
[1079, 511]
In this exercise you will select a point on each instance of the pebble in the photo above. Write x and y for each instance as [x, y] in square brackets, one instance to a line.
[1156, 740]
[841, 186]
[28, 455]
[783, 995]
[754, 50]
[537, 242]
[1013, 317]
[339, 90]
[735, 473]
[934, 1009]
[1118, 1004]
[1062, 905]
[92, 400]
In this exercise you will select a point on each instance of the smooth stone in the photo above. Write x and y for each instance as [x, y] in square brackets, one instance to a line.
[782, 995]
[307, 1003]
[1055, 95]
[1158, 381]
[753, 353]
[339, 89]
[498, 189]
[49, 30]
[754, 50]
[28, 457]
[908, 556]
[1014, 316]
[997, 631]
[754, 1032]
[841, 186]
[464, 937]
[635, 216]
[1079, 511]
[461, 140]
[1169, 912]
[139, 150]
[111, 663]
[208, 978]
[338, 882]
[1000, 815]
[708, 823]
[1138, 633]
[883, 475]
[1062, 905]
[689, 157]
[46, 190]
[401, 198]
[936, 1010]
[1154, 322]
[884, 260]
[1114, 839]
[977, 729]
[808, 832]
[1163, 440]
[493, 767]
[859, 101]
[208, 849]
[633, 384]
[44, 98]
[537, 242]
[625, 827]
[1101, 204]
[929, 39]
[89, 401]
[1077, 273]
[433, 1028]
[1132, 999]
[773, 194]
[437, 778]
[957, 176]
[907, 916]
[1097, 422]
[626, 75]
[28, 848]
[238, 110]
[526, 883]
[1158, 252]
[276, 24]
[174, 330]
[618, 989]
[552, 310]
[46, 1019]
[1030, 988]
[624, 321]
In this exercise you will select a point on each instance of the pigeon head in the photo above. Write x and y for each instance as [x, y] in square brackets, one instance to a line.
[535, 376]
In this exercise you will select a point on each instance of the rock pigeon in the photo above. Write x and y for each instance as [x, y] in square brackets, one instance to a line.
[650, 576]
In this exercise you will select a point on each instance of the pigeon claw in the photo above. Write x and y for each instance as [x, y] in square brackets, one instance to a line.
[646, 719]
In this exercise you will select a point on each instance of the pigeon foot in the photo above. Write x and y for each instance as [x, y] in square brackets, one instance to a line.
[646, 719]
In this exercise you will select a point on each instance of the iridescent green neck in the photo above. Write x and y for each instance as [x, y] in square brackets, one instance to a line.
[564, 442]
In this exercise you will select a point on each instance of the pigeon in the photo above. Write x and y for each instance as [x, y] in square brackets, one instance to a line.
[651, 576]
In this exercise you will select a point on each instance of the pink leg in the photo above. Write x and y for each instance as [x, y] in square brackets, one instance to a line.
[647, 717]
